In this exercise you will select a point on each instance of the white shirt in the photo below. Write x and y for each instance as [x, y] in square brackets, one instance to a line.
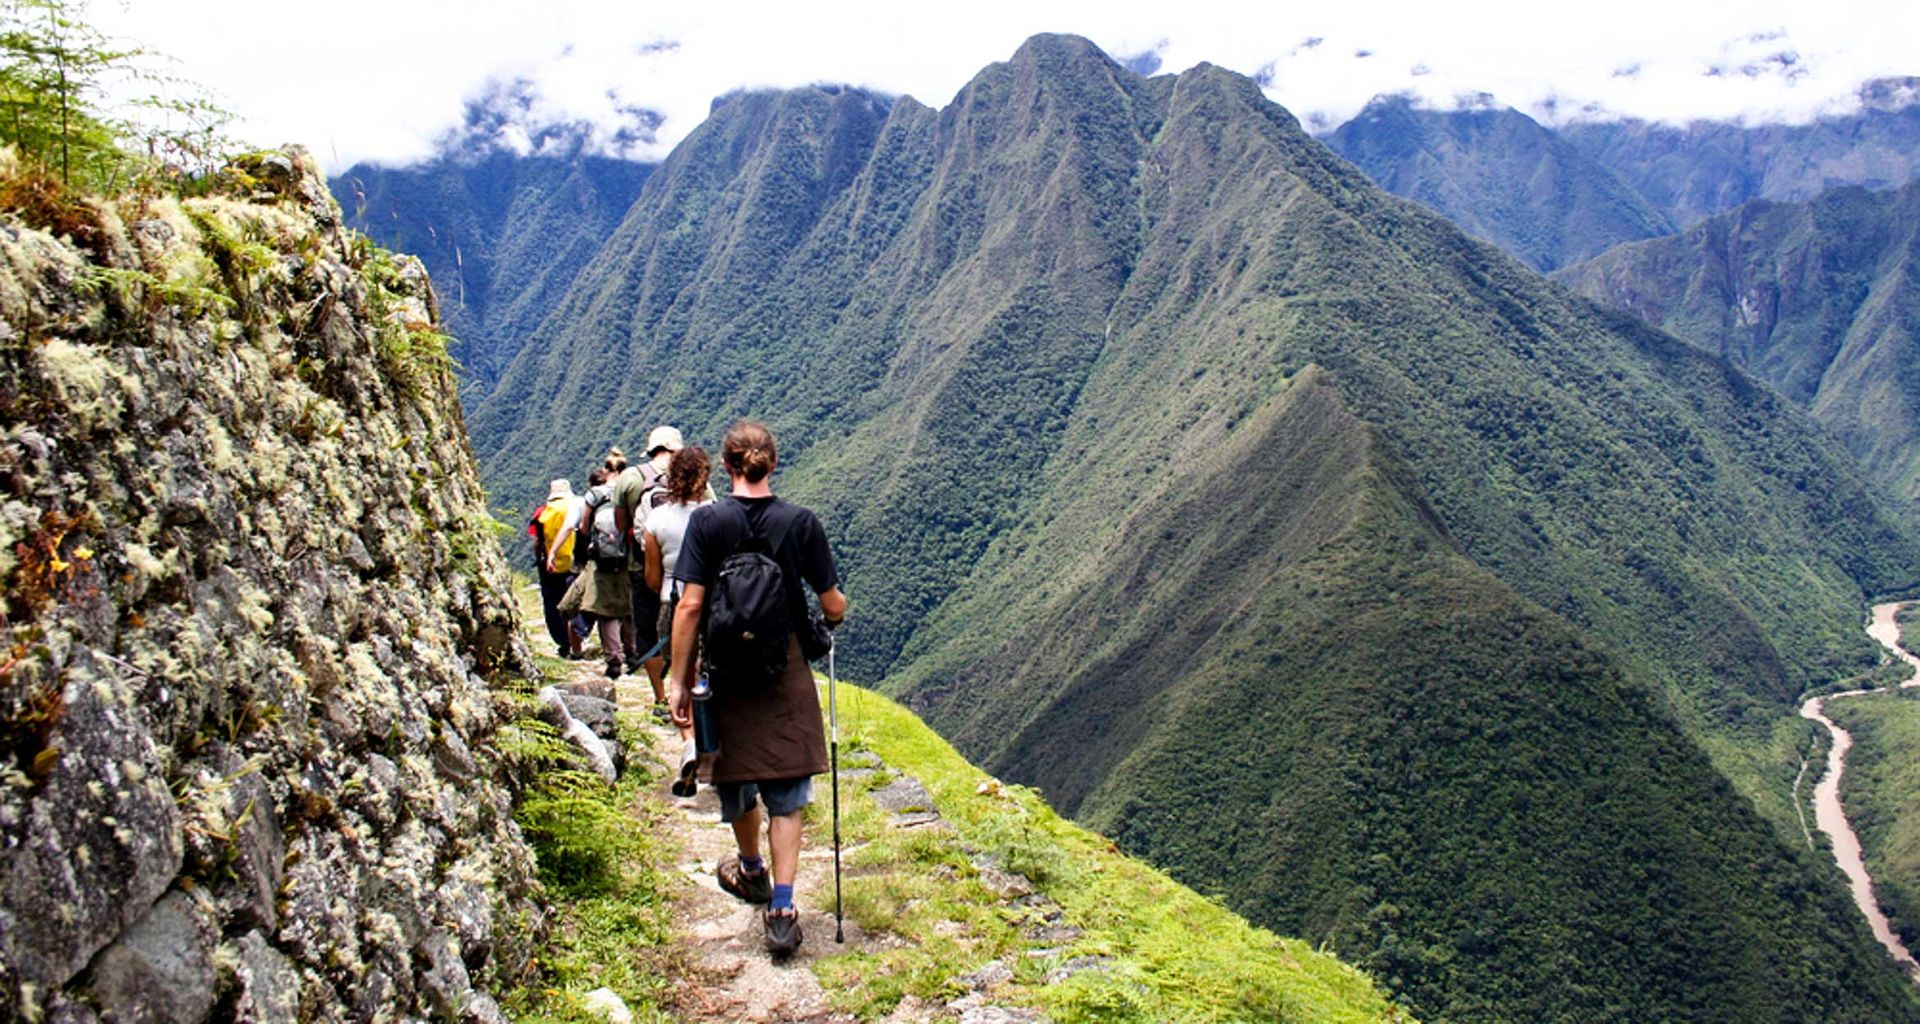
[668, 524]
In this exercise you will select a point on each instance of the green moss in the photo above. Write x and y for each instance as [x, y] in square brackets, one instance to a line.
[412, 350]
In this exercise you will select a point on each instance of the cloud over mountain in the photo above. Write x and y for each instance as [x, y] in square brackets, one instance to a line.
[401, 75]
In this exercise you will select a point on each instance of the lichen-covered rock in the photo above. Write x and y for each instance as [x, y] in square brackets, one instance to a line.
[263, 986]
[253, 603]
[160, 971]
[93, 842]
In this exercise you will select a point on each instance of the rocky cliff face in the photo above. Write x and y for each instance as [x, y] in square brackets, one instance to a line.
[252, 608]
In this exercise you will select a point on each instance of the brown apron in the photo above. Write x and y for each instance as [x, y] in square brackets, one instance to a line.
[775, 733]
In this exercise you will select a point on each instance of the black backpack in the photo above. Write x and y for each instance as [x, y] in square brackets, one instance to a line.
[749, 614]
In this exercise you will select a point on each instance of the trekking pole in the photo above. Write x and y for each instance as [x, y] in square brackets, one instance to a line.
[833, 720]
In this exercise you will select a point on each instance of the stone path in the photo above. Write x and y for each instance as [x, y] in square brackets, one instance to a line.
[730, 975]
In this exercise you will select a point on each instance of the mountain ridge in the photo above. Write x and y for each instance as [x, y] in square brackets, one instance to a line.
[1707, 167]
[1501, 176]
[503, 236]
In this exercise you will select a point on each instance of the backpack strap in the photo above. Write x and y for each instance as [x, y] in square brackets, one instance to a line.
[776, 532]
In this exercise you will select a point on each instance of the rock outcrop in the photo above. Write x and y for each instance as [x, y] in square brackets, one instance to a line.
[253, 609]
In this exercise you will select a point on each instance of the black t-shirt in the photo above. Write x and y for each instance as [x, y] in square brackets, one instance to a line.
[803, 554]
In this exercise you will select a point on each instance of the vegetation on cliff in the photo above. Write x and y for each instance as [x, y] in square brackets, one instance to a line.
[1820, 299]
[253, 603]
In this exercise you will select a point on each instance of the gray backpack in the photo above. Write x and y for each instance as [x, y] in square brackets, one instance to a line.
[605, 545]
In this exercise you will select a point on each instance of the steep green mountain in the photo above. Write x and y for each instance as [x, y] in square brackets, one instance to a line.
[1500, 175]
[1822, 299]
[503, 236]
[1322, 554]
[1707, 167]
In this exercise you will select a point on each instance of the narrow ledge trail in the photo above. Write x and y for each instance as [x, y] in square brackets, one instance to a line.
[719, 970]
[1828, 812]
[729, 976]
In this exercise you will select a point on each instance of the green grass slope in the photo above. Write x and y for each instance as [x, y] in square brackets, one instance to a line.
[1112, 388]
[1139, 922]
[1820, 299]
[1501, 176]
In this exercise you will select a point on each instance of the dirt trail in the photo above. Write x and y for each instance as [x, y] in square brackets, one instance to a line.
[726, 974]
[1831, 816]
[730, 977]
[722, 971]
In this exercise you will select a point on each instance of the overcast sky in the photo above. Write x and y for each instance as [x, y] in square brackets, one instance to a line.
[387, 80]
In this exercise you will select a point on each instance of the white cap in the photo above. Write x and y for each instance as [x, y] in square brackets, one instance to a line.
[664, 437]
[559, 489]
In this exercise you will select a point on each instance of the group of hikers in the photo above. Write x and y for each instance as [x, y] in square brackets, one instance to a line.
[708, 598]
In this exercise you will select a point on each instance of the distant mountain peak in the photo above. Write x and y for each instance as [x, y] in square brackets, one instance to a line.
[1391, 101]
[1059, 45]
[1891, 95]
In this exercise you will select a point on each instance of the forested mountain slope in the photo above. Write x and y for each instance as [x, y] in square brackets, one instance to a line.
[1821, 299]
[503, 236]
[1708, 167]
[1500, 175]
[1180, 471]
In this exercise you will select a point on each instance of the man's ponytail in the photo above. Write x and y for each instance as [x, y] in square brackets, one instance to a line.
[748, 450]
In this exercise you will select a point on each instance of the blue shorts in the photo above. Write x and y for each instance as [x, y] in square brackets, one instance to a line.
[782, 796]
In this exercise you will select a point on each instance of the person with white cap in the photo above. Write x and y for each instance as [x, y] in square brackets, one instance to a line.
[553, 558]
[640, 487]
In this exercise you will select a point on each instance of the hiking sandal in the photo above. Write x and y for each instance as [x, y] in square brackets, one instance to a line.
[686, 784]
[783, 931]
[754, 888]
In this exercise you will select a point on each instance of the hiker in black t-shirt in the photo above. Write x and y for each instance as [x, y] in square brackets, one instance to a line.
[771, 739]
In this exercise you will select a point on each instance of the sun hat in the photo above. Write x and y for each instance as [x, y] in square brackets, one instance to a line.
[559, 489]
[664, 437]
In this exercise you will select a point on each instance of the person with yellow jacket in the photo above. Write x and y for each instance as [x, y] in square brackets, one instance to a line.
[553, 559]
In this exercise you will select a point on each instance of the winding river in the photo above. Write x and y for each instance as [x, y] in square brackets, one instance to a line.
[1827, 811]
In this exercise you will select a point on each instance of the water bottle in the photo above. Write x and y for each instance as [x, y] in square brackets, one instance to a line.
[704, 741]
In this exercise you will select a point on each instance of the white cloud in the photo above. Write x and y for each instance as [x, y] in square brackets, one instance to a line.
[384, 79]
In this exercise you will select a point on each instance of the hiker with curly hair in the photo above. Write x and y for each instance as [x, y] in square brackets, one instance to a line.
[662, 536]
